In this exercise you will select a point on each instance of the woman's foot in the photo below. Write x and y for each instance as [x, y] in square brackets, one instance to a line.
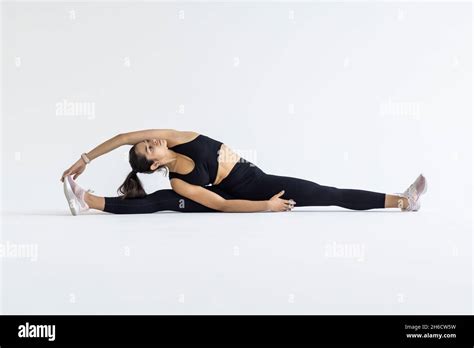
[409, 204]
[413, 193]
[75, 196]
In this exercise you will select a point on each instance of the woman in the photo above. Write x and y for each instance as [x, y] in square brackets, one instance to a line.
[195, 161]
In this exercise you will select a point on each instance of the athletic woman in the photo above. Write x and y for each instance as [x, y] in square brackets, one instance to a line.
[207, 176]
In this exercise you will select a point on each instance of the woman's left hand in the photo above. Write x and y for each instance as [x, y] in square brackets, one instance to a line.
[76, 169]
[277, 204]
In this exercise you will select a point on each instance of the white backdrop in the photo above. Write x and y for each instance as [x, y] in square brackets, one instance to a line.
[355, 95]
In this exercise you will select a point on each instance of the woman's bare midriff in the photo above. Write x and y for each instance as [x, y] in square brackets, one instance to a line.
[225, 162]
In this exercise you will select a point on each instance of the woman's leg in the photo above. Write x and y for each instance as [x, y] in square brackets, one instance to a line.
[394, 201]
[154, 202]
[254, 184]
[308, 193]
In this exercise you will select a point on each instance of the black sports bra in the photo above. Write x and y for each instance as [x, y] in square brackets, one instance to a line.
[204, 152]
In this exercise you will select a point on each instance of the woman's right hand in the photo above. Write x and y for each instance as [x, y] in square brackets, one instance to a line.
[76, 169]
[277, 204]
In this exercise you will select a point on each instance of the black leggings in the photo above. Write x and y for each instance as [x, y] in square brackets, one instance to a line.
[247, 181]
[158, 201]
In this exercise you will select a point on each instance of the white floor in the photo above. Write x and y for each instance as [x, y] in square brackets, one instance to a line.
[312, 260]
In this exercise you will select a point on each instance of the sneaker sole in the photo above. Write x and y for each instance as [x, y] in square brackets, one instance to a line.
[426, 186]
[421, 193]
[69, 196]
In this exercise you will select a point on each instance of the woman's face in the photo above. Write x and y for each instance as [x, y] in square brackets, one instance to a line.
[152, 149]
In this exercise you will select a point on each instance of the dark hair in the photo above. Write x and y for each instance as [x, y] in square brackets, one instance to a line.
[132, 186]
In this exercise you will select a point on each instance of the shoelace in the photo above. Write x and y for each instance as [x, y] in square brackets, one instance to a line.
[412, 192]
[81, 202]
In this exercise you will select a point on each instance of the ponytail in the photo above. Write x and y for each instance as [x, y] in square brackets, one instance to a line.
[131, 187]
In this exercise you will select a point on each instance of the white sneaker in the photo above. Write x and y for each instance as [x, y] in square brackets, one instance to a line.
[418, 188]
[75, 196]
[413, 193]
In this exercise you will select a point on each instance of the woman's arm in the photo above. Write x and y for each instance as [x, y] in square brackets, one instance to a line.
[132, 138]
[214, 201]
[79, 166]
[106, 146]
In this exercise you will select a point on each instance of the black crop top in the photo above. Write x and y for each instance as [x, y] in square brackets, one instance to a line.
[204, 152]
